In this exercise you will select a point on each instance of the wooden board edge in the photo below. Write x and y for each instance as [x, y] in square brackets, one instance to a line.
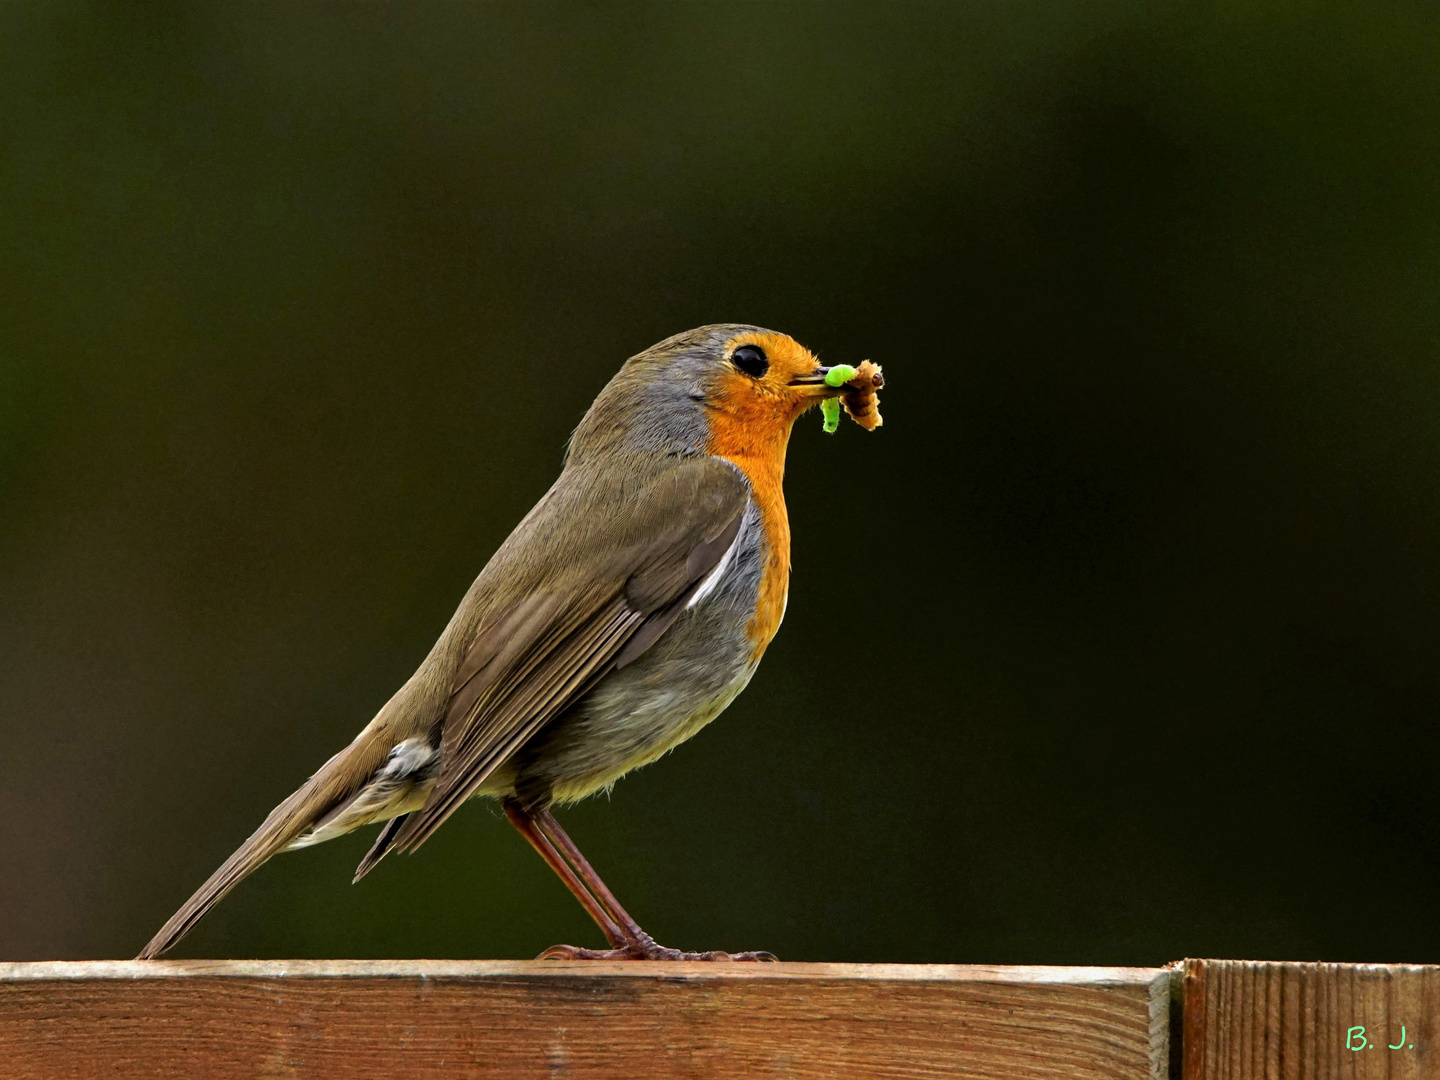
[1167, 995]
[1192, 1032]
[59, 970]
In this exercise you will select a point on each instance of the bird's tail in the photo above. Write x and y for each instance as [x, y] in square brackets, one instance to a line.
[285, 822]
[335, 782]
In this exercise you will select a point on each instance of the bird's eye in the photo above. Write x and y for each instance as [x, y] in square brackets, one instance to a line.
[751, 359]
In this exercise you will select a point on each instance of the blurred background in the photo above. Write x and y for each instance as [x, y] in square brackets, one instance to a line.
[300, 306]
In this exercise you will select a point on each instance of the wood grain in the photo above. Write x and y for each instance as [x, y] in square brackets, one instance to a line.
[452, 1019]
[1290, 1021]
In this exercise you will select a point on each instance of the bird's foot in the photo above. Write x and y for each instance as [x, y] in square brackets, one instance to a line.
[647, 949]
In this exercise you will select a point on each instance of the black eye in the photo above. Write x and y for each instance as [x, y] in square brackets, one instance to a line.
[751, 360]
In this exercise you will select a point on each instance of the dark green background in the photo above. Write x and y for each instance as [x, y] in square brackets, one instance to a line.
[1118, 643]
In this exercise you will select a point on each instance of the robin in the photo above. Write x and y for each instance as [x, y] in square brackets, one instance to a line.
[621, 616]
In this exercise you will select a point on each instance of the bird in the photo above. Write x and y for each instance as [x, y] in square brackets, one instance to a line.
[626, 610]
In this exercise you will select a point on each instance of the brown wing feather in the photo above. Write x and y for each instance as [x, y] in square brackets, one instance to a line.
[504, 725]
[668, 539]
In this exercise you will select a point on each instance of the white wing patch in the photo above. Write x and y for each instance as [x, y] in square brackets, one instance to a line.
[712, 579]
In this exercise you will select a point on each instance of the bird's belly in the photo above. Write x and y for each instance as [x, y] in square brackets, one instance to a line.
[641, 712]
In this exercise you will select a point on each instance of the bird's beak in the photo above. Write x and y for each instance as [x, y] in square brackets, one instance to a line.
[816, 381]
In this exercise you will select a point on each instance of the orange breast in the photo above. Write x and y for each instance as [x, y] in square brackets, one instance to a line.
[751, 431]
[765, 480]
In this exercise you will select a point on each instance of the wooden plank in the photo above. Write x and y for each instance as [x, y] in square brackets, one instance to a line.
[1293, 1021]
[627, 1021]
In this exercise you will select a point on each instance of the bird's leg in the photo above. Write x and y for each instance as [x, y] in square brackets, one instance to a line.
[637, 941]
[525, 825]
[633, 943]
[551, 830]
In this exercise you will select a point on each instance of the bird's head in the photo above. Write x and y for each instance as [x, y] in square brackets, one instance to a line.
[728, 389]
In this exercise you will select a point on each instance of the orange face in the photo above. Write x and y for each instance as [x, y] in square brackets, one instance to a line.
[771, 380]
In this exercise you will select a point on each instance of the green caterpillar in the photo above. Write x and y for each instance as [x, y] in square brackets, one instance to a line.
[838, 375]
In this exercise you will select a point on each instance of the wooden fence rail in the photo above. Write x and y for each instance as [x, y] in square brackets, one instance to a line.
[350, 1019]
[1234, 1020]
